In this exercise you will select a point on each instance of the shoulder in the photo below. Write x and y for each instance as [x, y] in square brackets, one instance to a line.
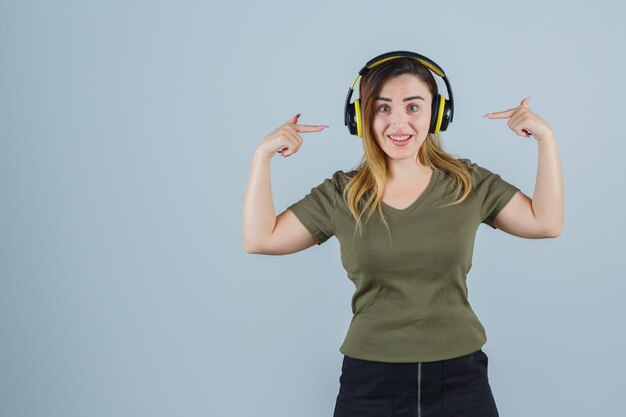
[471, 165]
[341, 178]
[477, 172]
[334, 183]
[343, 175]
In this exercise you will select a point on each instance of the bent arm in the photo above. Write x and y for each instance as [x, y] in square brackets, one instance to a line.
[548, 196]
[259, 216]
[541, 216]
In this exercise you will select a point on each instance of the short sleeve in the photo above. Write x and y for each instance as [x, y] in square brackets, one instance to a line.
[316, 210]
[492, 191]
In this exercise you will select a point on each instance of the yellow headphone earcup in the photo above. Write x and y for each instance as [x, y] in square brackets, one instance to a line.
[442, 101]
[359, 122]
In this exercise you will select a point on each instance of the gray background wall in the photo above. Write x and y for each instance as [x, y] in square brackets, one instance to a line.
[126, 135]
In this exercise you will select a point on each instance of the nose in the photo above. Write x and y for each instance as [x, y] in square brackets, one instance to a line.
[399, 119]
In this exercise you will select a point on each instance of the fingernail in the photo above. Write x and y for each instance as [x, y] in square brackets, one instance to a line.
[324, 126]
[487, 115]
[298, 115]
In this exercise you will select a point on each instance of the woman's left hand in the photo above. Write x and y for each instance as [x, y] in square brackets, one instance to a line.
[524, 122]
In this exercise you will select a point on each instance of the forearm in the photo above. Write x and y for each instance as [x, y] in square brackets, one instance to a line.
[259, 216]
[547, 199]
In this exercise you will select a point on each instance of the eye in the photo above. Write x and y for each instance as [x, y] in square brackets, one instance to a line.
[380, 108]
[413, 107]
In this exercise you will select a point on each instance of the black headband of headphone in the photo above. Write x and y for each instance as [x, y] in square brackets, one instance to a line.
[442, 109]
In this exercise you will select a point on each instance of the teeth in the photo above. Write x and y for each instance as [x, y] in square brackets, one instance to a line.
[400, 138]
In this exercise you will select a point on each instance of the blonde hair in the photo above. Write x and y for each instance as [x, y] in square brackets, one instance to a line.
[371, 173]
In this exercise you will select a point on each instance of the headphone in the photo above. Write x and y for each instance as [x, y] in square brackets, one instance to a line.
[442, 108]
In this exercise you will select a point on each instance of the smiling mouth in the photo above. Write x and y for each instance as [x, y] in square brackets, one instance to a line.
[400, 138]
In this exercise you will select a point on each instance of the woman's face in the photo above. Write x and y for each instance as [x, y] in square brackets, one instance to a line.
[402, 110]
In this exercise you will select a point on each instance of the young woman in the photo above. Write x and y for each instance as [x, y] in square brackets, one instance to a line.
[406, 220]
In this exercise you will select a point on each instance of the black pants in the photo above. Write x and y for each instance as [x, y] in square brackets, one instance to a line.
[457, 387]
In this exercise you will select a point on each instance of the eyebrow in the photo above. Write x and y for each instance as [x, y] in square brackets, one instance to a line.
[406, 99]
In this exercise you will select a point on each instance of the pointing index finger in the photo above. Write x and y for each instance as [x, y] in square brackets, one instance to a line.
[310, 128]
[501, 114]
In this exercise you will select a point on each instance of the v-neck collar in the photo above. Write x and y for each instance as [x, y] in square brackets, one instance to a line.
[420, 199]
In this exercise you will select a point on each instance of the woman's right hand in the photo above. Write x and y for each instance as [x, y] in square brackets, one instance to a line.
[286, 139]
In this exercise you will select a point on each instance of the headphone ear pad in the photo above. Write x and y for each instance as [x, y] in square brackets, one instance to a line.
[434, 112]
[351, 115]
[359, 118]
[447, 112]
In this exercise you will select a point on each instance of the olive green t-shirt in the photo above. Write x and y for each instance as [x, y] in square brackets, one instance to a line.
[411, 299]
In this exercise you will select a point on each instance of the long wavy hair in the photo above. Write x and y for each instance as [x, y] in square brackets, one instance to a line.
[363, 193]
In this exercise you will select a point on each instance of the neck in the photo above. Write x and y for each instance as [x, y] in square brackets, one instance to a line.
[407, 169]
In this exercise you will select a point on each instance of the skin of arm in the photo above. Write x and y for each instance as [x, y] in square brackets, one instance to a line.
[541, 216]
[259, 215]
